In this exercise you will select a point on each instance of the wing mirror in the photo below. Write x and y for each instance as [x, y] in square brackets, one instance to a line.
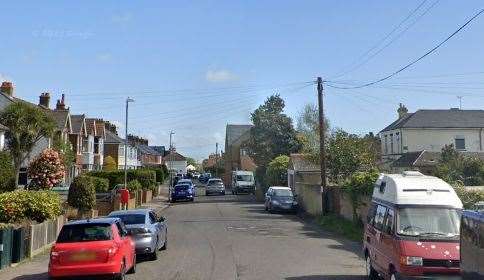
[161, 219]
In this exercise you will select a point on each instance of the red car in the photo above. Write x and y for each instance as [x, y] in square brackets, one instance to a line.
[91, 248]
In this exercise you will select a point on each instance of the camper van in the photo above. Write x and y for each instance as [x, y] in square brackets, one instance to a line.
[243, 182]
[412, 229]
[472, 245]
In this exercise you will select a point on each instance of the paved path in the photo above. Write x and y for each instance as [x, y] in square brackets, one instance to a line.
[232, 237]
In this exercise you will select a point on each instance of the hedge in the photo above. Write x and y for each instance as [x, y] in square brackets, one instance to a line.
[82, 194]
[21, 205]
[134, 186]
[100, 184]
[146, 177]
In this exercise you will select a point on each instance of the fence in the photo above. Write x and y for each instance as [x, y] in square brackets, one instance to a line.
[43, 234]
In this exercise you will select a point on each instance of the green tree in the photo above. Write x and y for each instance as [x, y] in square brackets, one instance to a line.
[273, 133]
[347, 154]
[276, 173]
[7, 174]
[27, 126]
[308, 131]
[82, 194]
[110, 164]
[64, 148]
[455, 167]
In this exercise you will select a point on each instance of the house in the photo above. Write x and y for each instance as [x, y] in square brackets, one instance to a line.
[83, 141]
[430, 131]
[160, 149]
[235, 157]
[176, 162]
[96, 128]
[114, 147]
[148, 155]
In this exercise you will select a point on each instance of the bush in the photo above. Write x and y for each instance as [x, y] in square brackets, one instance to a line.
[358, 185]
[46, 170]
[134, 186]
[7, 173]
[468, 197]
[101, 185]
[82, 194]
[110, 164]
[276, 173]
[147, 178]
[21, 205]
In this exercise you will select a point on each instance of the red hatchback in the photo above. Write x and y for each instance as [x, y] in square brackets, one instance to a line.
[93, 247]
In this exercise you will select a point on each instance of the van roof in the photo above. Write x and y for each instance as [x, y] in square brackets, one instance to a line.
[414, 188]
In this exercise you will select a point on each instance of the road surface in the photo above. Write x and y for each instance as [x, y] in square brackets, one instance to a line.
[232, 237]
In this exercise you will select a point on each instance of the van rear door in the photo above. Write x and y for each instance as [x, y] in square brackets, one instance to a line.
[379, 254]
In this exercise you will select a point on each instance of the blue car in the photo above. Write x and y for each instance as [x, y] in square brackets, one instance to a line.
[183, 192]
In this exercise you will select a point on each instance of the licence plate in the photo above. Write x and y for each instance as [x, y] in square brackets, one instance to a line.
[83, 256]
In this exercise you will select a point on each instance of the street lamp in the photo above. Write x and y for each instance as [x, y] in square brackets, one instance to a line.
[126, 144]
[170, 155]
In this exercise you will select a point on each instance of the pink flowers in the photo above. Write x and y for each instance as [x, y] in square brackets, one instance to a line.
[46, 170]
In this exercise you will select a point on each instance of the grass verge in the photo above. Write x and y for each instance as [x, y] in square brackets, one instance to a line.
[341, 227]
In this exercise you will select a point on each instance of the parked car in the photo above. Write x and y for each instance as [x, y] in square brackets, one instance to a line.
[280, 199]
[93, 247]
[196, 175]
[472, 245]
[149, 232]
[189, 182]
[205, 177]
[215, 186]
[182, 192]
[412, 230]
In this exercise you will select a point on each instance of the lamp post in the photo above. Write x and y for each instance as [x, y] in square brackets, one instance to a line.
[126, 144]
[170, 155]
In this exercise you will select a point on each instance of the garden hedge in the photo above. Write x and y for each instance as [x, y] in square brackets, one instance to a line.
[100, 184]
[146, 177]
[82, 194]
[21, 205]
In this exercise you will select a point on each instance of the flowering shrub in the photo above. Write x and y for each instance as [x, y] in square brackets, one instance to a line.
[46, 171]
[82, 194]
[22, 205]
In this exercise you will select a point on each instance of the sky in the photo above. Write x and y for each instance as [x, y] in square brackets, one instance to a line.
[195, 66]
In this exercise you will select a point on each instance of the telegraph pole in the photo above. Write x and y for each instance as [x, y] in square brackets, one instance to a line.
[170, 156]
[322, 149]
[460, 102]
[216, 159]
[126, 144]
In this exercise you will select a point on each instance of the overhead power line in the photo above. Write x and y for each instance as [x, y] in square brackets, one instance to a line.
[414, 61]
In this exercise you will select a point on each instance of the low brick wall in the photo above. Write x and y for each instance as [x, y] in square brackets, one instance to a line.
[147, 196]
[309, 198]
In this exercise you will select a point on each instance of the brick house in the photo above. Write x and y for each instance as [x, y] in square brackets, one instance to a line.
[148, 156]
[176, 162]
[236, 158]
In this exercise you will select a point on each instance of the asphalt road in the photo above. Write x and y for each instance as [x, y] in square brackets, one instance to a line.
[232, 237]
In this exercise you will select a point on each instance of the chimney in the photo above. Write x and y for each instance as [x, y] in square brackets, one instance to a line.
[61, 105]
[402, 111]
[7, 89]
[111, 127]
[44, 99]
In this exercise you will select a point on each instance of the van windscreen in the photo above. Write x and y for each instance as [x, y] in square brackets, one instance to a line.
[433, 222]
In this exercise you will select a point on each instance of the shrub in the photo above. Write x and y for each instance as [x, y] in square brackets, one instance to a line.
[358, 185]
[46, 170]
[110, 164]
[134, 185]
[147, 178]
[82, 194]
[21, 205]
[7, 173]
[276, 173]
[100, 184]
[468, 197]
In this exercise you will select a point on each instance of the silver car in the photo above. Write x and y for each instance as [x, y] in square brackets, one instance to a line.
[215, 186]
[149, 232]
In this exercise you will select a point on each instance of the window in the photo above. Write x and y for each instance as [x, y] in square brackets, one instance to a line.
[85, 145]
[460, 143]
[397, 140]
[388, 225]
[152, 218]
[96, 145]
[386, 144]
[391, 143]
[121, 151]
[84, 233]
[371, 214]
[380, 216]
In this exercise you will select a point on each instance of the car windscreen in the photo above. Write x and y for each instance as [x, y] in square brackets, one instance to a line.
[215, 182]
[181, 187]
[282, 192]
[429, 221]
[245, 178]
[85, 233]
[131, 219]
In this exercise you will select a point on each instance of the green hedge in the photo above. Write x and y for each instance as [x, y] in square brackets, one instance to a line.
[134, 186]
[146, 177]
[100, 184]
[82, 194]
[23, 205]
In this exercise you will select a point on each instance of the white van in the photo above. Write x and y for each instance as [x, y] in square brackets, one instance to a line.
[413, 228]
[243, 182]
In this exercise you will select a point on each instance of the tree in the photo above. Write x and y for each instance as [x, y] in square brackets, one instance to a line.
[276, 173]
[110, 164]
[273, 133]
[27, 126]
[455, 167]
[308, 131]
[82, 194]
[46, 170]
[7, 174]
[348, 153]
[64, 148]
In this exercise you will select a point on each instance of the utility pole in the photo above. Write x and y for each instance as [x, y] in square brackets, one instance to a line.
[126, 143]
[322, 149]
[170, 156]
[216, 159]
[460, 102]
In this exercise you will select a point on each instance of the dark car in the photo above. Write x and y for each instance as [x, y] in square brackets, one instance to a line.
[148, 231]
[183, 192]
[280, 199]
[205, 177]
[472, 245]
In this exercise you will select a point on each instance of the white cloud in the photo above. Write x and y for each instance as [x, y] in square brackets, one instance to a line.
[218, 76]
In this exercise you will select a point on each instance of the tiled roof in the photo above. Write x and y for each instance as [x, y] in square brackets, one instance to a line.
[299, 162]
[77, 123]
[174, 156]
[112, 138]
[453, 118]
[144, 149]
[60, 117]
[100, 129]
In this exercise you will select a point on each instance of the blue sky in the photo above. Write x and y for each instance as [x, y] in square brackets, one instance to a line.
[194, 66]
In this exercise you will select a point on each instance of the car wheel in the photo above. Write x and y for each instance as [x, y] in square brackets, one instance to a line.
[370, 271]
[165, 245]
[154, 255]
[133, 268]
[122, 272]
[192, 199]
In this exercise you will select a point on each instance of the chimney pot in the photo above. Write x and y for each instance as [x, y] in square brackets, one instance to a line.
[7, 88]
[402, 111]
[60, 105]
[44, 99]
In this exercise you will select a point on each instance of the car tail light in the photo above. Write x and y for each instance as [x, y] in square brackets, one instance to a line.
[112, 251]
[54, 256]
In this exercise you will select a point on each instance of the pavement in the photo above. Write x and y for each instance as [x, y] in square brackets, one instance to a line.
[232, 237]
